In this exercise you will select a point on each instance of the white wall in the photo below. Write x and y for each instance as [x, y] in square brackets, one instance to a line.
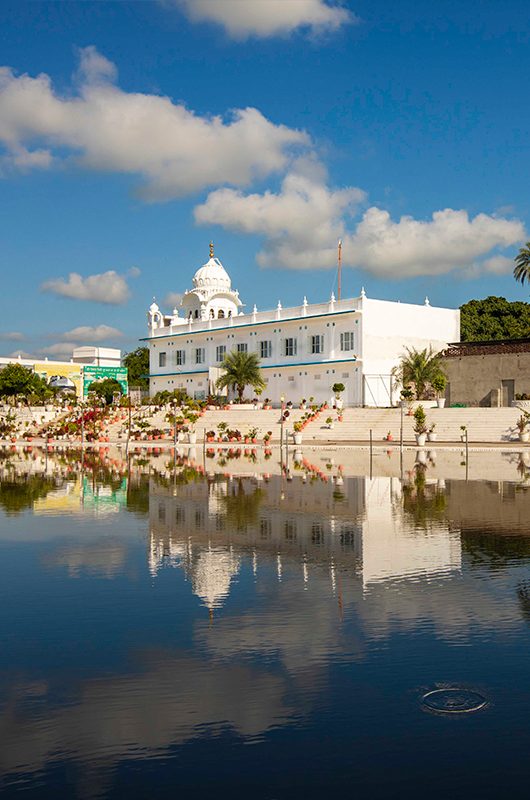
[389, 327]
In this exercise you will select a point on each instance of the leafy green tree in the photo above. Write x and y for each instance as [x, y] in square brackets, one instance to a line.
[521, 271]
[241, 370]
[106, 389]
[418, 368]
[494, 318]
[137, 363]
[18, 379]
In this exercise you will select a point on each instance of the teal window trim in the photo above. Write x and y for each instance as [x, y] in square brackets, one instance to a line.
[320, 364]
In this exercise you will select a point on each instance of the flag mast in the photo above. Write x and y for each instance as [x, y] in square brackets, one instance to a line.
[339, 268]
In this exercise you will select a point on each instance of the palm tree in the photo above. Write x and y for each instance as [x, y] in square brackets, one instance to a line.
[241, 370]
[522, 264]
[418, 368]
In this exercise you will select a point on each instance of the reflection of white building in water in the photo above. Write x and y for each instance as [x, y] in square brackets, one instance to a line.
[303, 350]
[357, 527]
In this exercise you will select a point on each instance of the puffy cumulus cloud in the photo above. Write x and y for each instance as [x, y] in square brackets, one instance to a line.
[172, 299]
[302, 223]
[410, 247]
[20, 354]
[12, 336]
[498, 265]
[61, 350]
[174, 150]
[92, 333]
[107, 287]
[264, 18]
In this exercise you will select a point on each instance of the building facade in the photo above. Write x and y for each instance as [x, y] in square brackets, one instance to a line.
[88, 364]
[490, 374]
[303, 350]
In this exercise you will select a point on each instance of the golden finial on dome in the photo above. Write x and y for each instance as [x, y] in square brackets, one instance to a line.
[211, 249]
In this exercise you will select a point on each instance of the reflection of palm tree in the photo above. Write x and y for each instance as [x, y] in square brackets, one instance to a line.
[241, 508]
[423, 503]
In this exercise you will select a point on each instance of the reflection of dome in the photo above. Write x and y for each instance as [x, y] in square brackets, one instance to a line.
[212, 576]
[212, 276]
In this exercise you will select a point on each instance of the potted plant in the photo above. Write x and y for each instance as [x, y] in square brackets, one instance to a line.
[389, 437]
[253, 433]
[338, 389]
[420, 426]
[267, 404]
[329, 422]
[522, 426]
[407, 396]
[297, 435]
[439, 383]
[431, 434]
[267, 437]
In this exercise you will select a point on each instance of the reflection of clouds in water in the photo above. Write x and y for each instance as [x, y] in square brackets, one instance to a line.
[103, 558]
[138, 716]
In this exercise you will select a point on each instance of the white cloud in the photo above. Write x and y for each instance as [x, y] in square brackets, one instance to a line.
[61, 350]
[303, 222]
[12, 336]
[498, 265]
[107, 287]
[89, 333]
[262, 18]
[20, 354]
[172, 149]
[172, 299]
[409, 247]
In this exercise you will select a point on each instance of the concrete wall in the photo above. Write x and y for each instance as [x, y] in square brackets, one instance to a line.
[387, 329]
[478, 380]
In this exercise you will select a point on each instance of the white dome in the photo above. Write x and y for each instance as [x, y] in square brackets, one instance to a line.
[212, 276]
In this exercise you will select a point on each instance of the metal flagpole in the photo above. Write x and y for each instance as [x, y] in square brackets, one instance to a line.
[339, 271]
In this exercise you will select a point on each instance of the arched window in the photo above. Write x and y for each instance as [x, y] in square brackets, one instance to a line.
[196, 314]
[221, 314]
[212, 313]
[190, 315]
[230, 313]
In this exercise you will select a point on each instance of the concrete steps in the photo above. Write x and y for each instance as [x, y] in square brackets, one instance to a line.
[483, 425]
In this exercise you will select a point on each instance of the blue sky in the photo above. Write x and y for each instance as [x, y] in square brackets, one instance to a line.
[274, 127]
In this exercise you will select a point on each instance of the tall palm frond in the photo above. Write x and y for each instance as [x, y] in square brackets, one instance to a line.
[418, 368]
[521, 271]
[241, 370]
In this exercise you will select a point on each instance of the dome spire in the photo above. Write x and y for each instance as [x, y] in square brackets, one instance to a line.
[211, 249]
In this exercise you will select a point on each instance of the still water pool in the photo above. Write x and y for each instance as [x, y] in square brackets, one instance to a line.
[223, 624]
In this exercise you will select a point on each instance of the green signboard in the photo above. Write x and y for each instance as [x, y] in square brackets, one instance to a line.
[93, 373]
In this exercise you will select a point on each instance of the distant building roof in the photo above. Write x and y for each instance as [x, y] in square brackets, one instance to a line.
[458, 349]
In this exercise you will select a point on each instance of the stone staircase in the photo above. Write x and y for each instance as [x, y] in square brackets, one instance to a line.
[483, 425]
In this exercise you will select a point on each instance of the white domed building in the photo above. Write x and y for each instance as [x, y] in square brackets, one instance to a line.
[303, 349]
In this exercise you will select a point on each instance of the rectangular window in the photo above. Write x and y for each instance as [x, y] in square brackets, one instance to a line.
[290, 347]
[242, 348]
[317, 344]
[162, 359]
[180, 357]
[265, 349]
[220, 352]
[199, 355]
[346, 341]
